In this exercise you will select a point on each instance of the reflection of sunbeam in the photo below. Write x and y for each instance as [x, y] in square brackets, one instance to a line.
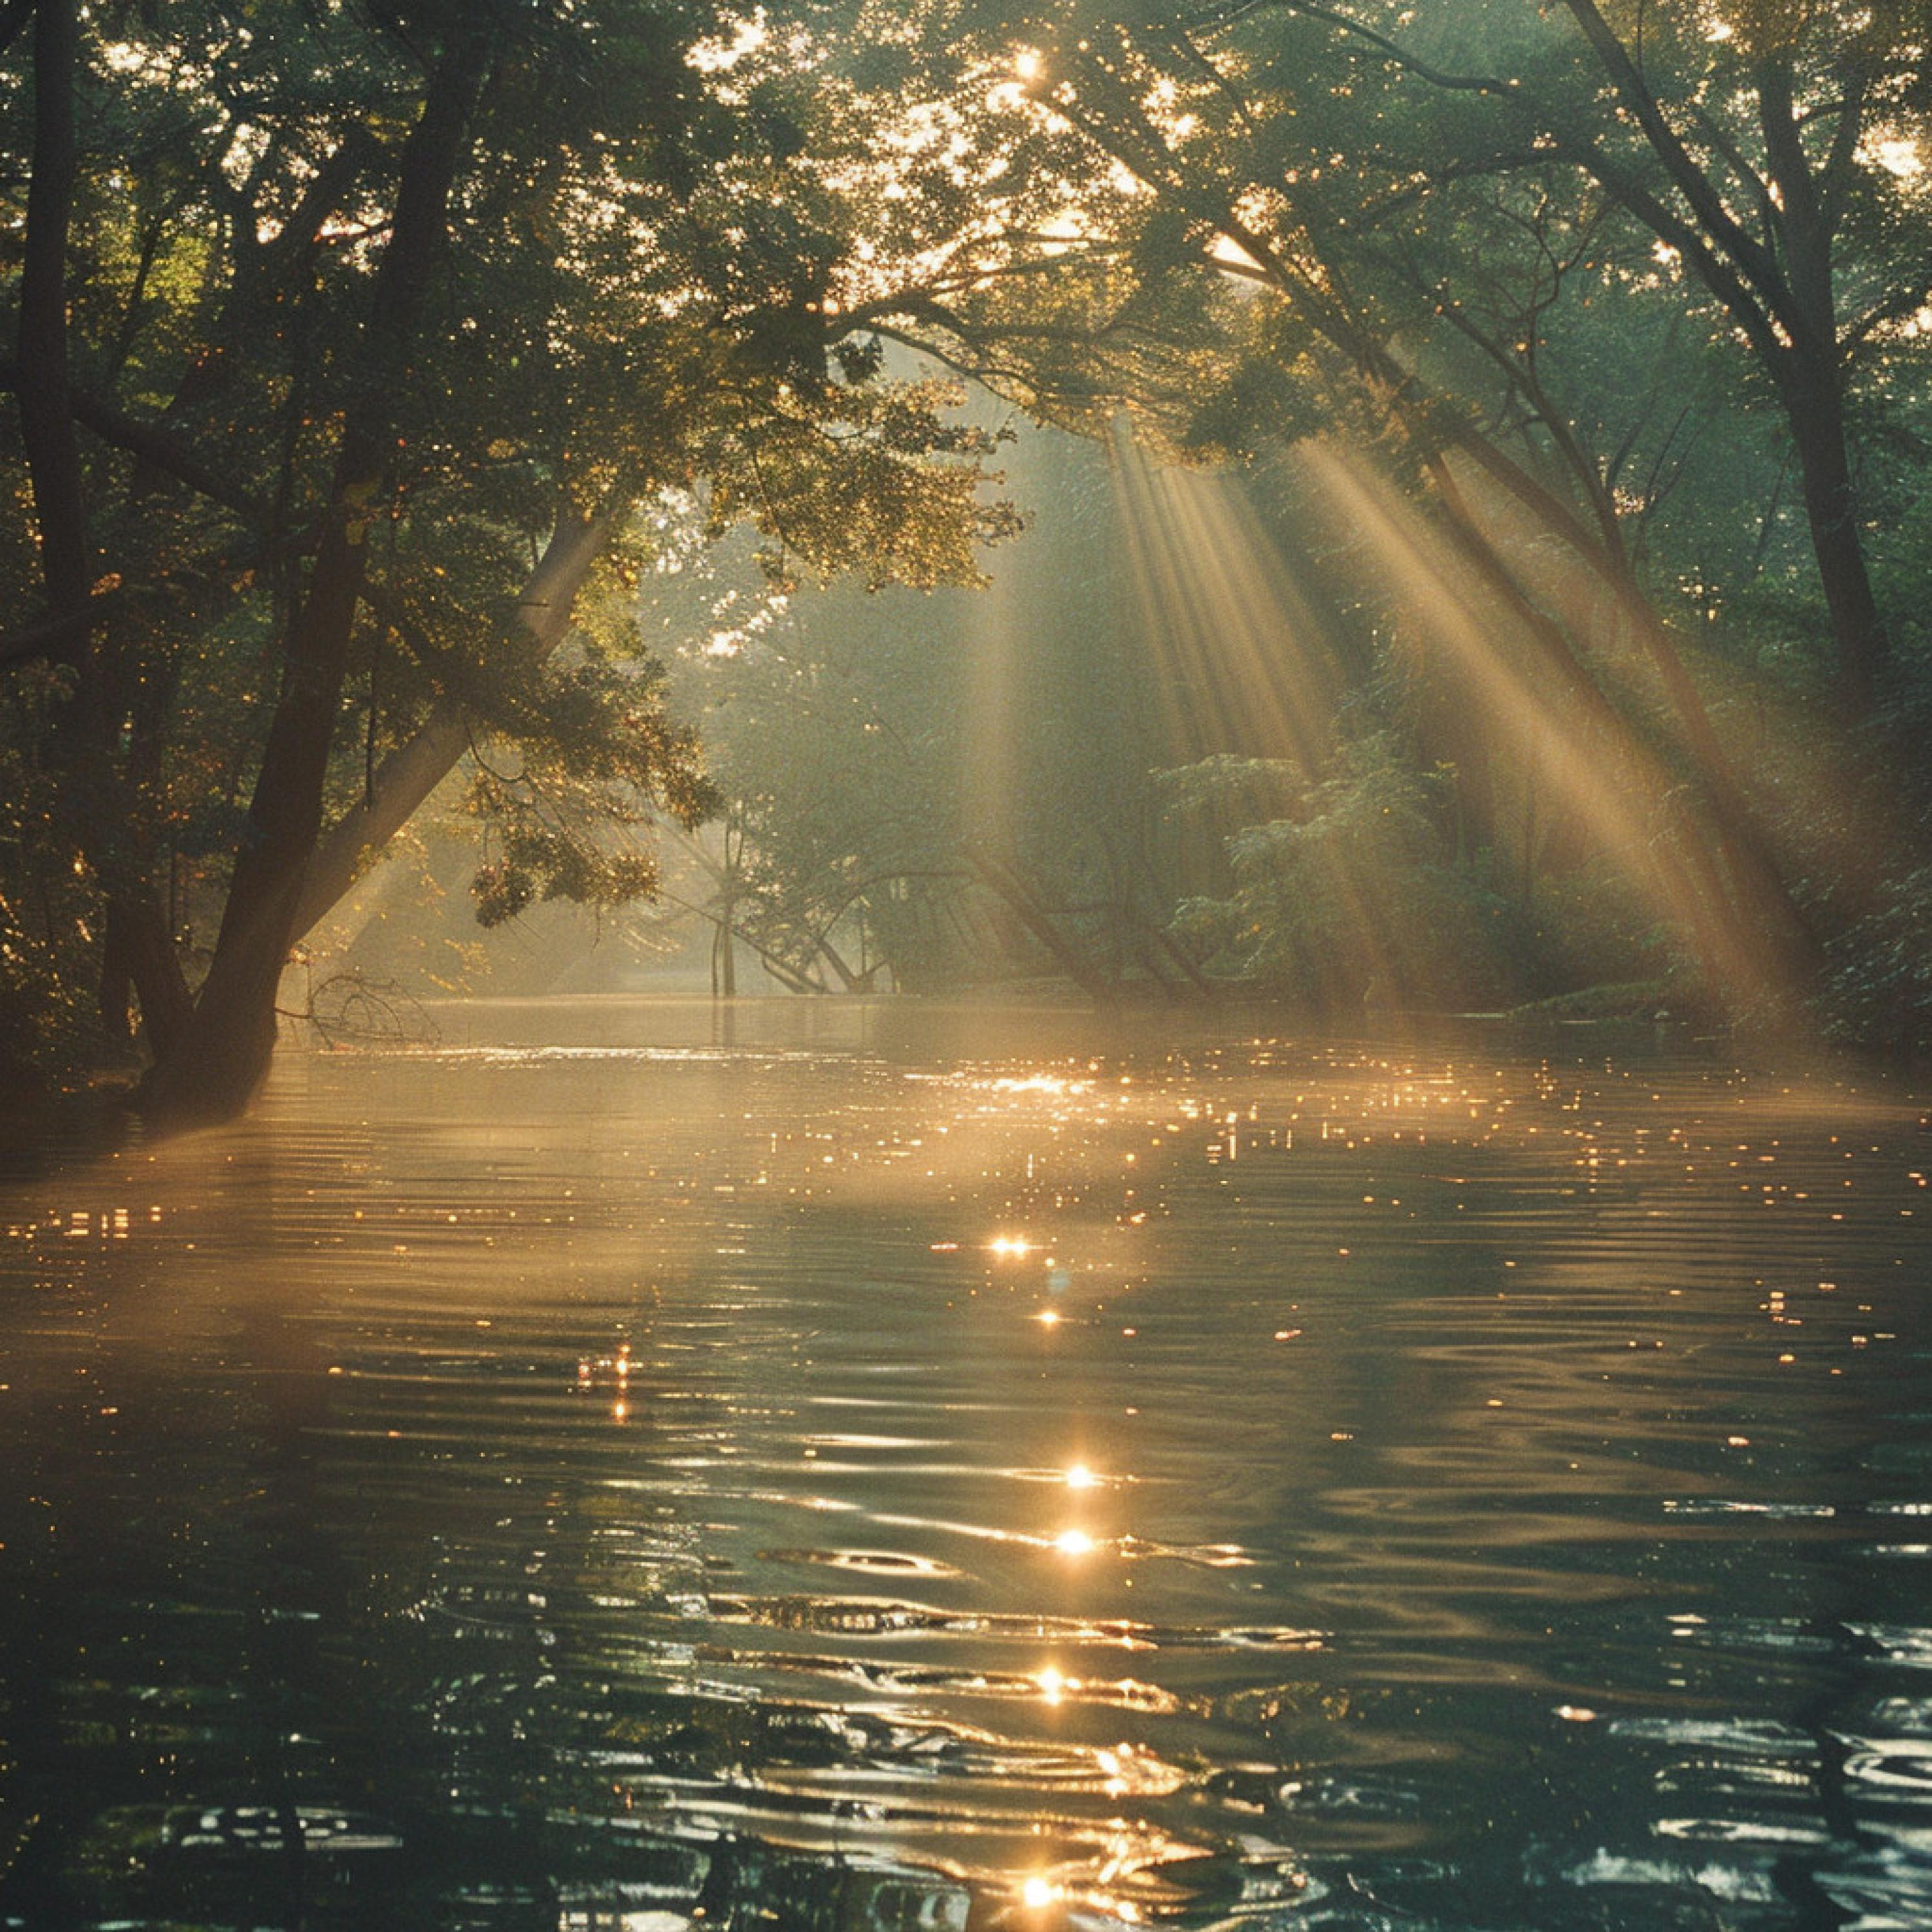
[1239, 661]
[1605, 776]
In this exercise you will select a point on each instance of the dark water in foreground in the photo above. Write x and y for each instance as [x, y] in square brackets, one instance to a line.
[897, 1469]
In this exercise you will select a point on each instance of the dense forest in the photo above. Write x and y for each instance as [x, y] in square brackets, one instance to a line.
[1373, 507]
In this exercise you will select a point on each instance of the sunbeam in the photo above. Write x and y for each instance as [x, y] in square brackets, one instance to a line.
[1243, 664]
[1575, 748]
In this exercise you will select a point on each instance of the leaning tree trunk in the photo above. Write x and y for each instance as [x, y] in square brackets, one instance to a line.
[219, 1057]
[407, 776]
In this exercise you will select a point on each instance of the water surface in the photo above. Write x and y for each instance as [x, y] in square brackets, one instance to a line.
[848, 1464]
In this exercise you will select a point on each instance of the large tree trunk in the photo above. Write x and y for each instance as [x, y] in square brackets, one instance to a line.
[1808, 367]
[1815, 410]
[138, 950]
[1779, 287]
[221, 1056]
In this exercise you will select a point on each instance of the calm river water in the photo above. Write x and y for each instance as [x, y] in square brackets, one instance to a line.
[861, 1465]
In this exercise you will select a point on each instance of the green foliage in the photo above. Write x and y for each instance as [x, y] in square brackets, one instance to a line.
[683, 246]
[664, 220]
[601, 763]
[871, 745]
[1589, 927]
[859, 493]
[1350, 897]
[1880, 990]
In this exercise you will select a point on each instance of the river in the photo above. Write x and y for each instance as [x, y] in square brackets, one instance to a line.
[632, 1466]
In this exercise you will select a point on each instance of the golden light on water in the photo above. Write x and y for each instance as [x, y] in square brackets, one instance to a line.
[1073, 1661]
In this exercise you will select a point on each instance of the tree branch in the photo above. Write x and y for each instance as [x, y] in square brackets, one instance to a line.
[1691, 182]
[1836, 173]
[152, 444]
[410, 773]
[51, 636]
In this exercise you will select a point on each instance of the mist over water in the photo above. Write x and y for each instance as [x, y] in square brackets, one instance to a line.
[868, 1464]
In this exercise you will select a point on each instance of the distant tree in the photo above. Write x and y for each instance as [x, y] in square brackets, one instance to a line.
[888, 754]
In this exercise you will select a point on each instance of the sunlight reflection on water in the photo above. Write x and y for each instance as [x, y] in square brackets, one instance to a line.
[882, 1466]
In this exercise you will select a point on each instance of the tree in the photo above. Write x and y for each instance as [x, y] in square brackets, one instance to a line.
[913, 777]
[347, 345]
[1774, 153]
[1252, 143]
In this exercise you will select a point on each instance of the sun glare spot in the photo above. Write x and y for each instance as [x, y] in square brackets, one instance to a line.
[1010, 1245]
[1038, 1893]
[1073, 1542]
[1898, 156]
[1081, 1478]
[718, 55]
